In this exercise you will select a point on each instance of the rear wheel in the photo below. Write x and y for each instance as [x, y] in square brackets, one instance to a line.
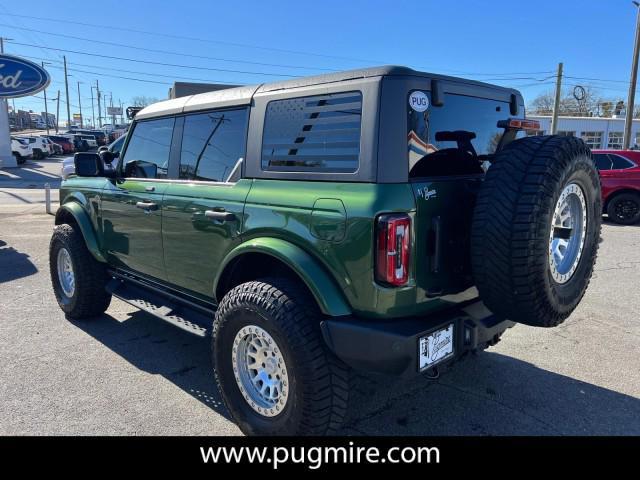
[536, 228]
[624, 208]
[272, 367]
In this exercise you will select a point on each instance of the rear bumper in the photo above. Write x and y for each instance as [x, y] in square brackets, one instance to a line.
[391, 346]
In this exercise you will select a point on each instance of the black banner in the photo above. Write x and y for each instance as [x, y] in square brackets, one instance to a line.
[100, 455]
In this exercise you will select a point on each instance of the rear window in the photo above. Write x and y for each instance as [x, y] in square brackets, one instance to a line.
[620, 163]
[448, 131]
[320, 133]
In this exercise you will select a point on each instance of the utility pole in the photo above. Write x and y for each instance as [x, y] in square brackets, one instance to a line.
[99, 106]
[80, 104]
[93, 112]
[556, 102]
[113, 117]
[58, 111]
[46, 108]
[66, 86]
[628, 123]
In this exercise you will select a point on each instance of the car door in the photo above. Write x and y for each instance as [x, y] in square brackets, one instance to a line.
[132, 202]
[203, 209]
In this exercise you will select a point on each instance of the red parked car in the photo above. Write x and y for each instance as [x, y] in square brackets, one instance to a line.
[620, 177]
[64, 142]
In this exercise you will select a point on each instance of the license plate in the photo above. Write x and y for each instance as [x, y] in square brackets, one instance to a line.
[435, 347]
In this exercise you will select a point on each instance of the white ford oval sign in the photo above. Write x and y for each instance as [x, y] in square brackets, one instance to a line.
[20, 77]
[418, 101]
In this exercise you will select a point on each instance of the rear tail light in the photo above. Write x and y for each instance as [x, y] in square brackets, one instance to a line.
[393, 242]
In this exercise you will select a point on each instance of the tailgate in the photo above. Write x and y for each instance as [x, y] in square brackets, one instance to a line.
[444, 210]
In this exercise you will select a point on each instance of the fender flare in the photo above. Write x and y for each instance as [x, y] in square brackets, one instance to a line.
[77, 211]
[322, 286]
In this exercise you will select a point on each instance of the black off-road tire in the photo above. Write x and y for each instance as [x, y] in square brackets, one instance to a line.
[89, 299]
[318, 381]
[512, 226]
[629, 203]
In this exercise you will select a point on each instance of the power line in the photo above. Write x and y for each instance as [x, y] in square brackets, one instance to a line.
[184, 37]
[149, 62]
[101, 67]
[101, 74]
[259, 47]
[166, 52]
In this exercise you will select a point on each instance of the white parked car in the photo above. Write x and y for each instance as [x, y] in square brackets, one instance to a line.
[41, 149]
[49, 143]
[91, 140]
[21, 149]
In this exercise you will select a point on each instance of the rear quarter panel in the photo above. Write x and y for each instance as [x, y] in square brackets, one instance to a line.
[300, 211]
[614, 181]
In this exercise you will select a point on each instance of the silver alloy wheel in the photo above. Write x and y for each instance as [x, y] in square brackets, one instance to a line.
[260, 371]
[66, 276]
[568, 233]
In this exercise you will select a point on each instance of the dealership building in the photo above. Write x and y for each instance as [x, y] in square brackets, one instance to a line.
[597, 132]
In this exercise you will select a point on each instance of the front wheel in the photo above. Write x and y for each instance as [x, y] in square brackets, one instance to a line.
[624, 208]
[274, 372]
[78, 279]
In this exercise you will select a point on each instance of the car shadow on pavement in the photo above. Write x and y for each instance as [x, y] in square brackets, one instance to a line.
[492, 394]
[32, 174]
[159, 348]
[489, 394]
[14, 264]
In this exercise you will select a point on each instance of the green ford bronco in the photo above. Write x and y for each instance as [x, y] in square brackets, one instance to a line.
[380, 220]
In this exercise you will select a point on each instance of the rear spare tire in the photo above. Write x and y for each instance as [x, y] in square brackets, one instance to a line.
[536, 228]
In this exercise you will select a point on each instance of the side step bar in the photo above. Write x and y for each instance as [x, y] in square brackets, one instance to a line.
[192, 320]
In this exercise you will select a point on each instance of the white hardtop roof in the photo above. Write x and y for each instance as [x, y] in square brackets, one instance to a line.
[241, 96]
[229, 97]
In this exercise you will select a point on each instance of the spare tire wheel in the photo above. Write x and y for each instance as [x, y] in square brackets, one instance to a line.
[536, 228]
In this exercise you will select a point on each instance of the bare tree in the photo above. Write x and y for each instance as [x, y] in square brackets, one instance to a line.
[591, 104]
[143, 101]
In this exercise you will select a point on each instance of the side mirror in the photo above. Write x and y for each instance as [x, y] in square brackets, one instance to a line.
[140, 169]
[107, 156]
[88, 165]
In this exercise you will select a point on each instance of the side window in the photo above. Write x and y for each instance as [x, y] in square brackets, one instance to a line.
[603, 162]
[619, 163]
[147, 154]
[313, 134]
[213, 146]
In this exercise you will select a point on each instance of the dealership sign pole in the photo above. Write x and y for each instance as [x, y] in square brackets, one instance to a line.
[18, 78]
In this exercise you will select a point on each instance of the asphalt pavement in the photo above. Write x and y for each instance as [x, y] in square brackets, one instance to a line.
[129, 373]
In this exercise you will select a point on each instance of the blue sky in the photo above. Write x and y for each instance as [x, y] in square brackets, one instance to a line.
[514, 43]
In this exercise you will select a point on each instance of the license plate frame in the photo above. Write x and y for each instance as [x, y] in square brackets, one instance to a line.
[436, 347]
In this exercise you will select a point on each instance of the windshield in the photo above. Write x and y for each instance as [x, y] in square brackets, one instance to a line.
[461, 130]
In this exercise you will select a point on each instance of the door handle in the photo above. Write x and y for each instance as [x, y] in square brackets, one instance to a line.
[147, 206]
[221, 216]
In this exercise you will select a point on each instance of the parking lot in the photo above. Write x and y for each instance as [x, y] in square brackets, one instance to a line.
[129, 373]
